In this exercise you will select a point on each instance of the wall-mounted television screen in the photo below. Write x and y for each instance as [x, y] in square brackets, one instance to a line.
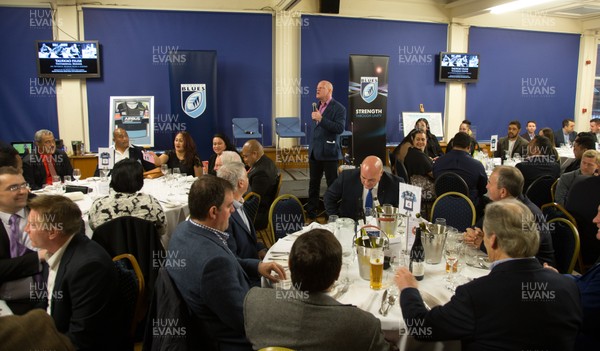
[458, 67]
[68, 59]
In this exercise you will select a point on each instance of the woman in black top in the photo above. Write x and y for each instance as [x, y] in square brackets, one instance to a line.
[183, 156]
[220, 143]
[433, 148]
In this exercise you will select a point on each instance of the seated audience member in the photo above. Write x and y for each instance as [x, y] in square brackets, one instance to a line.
[45, 161]
[126, 200]
[183, 156]
[506, 182]
[310, 319]
[220, 143]
[34, 330]
[19, 263]
[459, 161]
[242, 235]
[432, 148]
[419, 167]
[123, 150]
[9, 156]
[582, 202]
[368, 186]
[263, 179]
[540, 161]
[566, 135]
[549, 133]
[83, 296]
[530, 131]
[583, 142]
[213, 284]
[590, 163]
[402, 148]
[589, 291]
[512, 143]
[465, 127]
[226, 157]
[595, 128]
[478, 314]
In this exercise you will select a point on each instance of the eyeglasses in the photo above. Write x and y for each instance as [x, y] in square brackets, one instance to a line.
[17, 187]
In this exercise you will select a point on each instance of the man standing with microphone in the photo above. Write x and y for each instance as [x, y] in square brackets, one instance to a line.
[324, 151]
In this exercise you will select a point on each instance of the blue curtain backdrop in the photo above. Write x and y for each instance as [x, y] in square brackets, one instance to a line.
[138, 45]
[28, 103]
[327, 42]
[524, 75]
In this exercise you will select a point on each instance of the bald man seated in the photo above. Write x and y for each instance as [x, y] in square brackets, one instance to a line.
[351, 189]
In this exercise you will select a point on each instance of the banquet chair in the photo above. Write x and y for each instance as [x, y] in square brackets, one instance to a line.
[131, 291]
[554, 210]
[539, 191]
[565, 239]
[456, 208]
[450, 181]
[286, 216]
[251, 203]
[135, 236]
[401, 171]
[168, 304]
[246, 128]
[289, 127]
[553, 189]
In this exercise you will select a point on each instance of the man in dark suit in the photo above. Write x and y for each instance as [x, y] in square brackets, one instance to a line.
[512, 144]
[9, 156]
[324, 151]
[82, 293]
[242, 235]
[263, 179]
[368, 186]
[583, 142]
[540, 161]
[46, 161]
[529, 131]
[459, 161]
[565, 135]
[18, 262]
[595, 128]
[477, 314]
[582, 202]
[213, 283]
[308, 318]
[506, 182]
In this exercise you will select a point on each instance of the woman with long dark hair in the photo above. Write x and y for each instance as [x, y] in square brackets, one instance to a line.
[183, 156]
[220, 143]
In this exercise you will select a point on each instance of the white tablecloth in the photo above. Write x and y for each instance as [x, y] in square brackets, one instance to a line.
[174, 200]
[432, 287]
[4, 309]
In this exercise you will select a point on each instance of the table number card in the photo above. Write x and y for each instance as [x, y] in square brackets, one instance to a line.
[106, 157]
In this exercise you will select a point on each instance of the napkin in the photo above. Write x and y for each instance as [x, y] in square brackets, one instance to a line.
[75, 196]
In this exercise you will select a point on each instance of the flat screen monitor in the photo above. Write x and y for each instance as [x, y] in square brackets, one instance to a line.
[68, 59]
[22, 147]
[458, 67]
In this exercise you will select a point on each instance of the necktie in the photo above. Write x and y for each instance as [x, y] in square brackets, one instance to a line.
[369, 200]
[50, 167]
[16, 248]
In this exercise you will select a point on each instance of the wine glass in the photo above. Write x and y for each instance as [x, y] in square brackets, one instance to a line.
[164, 169]
[76, 174]
[332, 225]
[67, 179]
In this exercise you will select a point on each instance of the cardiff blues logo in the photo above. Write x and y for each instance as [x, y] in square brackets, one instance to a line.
[368, 88]
[193, 99]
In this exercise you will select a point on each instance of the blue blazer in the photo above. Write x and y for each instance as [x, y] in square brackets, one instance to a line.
[325, 144]
[212, 283]
[242, 242]
[559, 137]
[478, 314]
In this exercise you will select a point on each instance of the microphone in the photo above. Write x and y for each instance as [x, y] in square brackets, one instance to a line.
[314, 105]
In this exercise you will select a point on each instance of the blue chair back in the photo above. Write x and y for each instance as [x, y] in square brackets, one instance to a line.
[565, 239]
[450, 181]
[286, 216]
[456, 208]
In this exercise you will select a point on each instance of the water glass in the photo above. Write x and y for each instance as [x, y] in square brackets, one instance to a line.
[331, 223]
[76, 174]
[68, 179]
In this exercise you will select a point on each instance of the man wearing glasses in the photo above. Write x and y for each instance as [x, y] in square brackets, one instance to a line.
[18, 261]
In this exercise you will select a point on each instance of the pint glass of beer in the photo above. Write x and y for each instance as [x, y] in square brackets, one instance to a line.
[376, 262]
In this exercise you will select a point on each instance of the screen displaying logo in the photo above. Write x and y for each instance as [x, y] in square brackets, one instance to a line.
[193, 99]
[368, 88]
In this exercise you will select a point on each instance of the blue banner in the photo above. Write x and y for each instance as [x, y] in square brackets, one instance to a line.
[367, 101]
[193, 82]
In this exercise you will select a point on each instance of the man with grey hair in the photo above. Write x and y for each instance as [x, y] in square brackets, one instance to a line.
[506, 182]
[45, 161]
[242, 234]
[477, 314]
[226, 157]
